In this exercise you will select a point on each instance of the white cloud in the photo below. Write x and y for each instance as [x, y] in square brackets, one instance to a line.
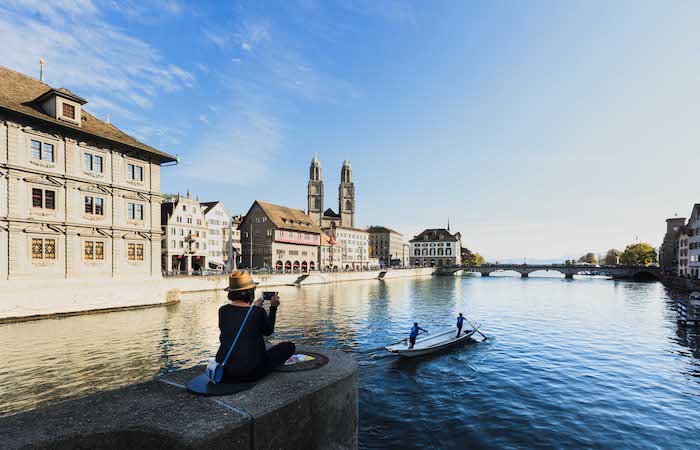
[246, 46]
[84, 52]
[203, 118]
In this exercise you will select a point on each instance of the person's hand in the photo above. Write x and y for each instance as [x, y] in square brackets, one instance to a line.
[258, 302]
[275, 301]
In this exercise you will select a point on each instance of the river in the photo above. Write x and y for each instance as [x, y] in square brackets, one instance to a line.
[569, 363]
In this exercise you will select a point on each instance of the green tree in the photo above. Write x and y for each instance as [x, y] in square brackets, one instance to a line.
[471, 259]
[612, 257]
[641, 254]
[588, 258]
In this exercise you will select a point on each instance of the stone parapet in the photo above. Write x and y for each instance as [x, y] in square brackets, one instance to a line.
[316, 409]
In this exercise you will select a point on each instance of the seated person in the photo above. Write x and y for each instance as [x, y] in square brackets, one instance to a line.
[249, 360]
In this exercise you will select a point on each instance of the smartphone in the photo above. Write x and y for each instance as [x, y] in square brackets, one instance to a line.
[267, 295]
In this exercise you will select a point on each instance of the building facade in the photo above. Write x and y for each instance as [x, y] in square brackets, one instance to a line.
[279, 238]
[185, 235]
[387, 246]
[436, 248]
[683, 252]
[693, 229]
[329, 253]
[668, 251]
[78, 197]
[236, 242]
[218, 221]
[345, 217]
[354, 247]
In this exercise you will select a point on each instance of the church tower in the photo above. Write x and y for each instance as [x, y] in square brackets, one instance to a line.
[346, 196]
[315, 191]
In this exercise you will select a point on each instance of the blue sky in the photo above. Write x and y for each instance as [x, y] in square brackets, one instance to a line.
[541, 129]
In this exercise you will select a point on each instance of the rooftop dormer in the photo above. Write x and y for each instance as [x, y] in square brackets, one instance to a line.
[63, 105]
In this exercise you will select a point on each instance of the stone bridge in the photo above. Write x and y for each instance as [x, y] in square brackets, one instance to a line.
[617, 272]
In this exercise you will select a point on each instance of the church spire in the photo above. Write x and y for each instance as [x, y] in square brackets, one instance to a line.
[448, 224]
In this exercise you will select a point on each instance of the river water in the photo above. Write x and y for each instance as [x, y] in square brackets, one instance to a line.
[569, 363]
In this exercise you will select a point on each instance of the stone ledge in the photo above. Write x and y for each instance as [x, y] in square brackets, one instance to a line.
[290, 410]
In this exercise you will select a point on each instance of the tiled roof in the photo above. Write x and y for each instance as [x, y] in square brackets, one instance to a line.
[436, 234]
[19, 92]
[288, 218]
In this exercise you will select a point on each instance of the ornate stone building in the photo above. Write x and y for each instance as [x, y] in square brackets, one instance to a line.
[78, 197]
[345, 217]
[217, 219]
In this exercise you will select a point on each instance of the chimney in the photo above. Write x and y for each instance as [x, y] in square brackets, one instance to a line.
[41, 70]
[107, 118]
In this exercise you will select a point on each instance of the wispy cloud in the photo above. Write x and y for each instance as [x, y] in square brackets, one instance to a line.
[83, 51]
[203, 118]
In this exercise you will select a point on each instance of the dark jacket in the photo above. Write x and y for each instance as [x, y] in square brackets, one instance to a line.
[248, 356]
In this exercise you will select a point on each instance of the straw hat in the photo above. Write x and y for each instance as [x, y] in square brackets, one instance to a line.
[240, 280]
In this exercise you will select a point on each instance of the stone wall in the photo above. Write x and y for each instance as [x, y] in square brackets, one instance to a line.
[22, 299]
[315, 409]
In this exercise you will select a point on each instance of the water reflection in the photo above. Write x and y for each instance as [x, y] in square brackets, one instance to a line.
[571, 363]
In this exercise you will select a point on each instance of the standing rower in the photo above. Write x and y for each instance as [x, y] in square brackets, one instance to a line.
[460, 320]
[414, 334]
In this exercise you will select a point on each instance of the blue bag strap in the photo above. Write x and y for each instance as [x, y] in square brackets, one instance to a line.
[237, 335]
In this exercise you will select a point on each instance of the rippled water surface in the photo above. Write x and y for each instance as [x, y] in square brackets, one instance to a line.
[570, 363]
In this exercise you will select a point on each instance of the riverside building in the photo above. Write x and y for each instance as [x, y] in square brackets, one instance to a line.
[184, 247]
[79, 198]
[280, 238]
[218, 220]
[386, 245]
[669, 251]
[683, 251]
[354, 247]
[436, 247]
[693, 228]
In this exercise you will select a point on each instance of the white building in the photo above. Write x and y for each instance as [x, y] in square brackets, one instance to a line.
[354, 247]
[436, 248]
[693, 230]
[184, 247]
[683, 251]
[217, 219]
[236, 241]
[79, 199]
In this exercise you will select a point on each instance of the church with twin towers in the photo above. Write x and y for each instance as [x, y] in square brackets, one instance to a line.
[345, 217]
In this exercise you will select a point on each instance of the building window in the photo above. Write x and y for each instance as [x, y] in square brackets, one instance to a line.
[172, 231]
[134, 172]
[93, 163]
[94, 250]
[42, 151]
[69, 111]
[43, 199]
[172, 244]
[94, 205]
[135, 211]
[182, 244]
[135, 252]
[43, 248]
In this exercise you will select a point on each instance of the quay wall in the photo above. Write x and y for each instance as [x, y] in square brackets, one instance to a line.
[680, 283]
[35, 299]
[286, 410]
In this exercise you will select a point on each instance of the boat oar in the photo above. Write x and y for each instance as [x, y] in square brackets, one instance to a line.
[405, 340]
[477, 329]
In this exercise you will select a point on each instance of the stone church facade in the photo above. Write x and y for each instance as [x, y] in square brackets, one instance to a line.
[79, 198]
[345, 217]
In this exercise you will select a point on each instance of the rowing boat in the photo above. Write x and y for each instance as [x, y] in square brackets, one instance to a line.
[429, 343]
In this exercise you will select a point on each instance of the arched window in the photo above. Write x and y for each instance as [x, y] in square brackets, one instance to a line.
[348, 205]
[425, 252]
[440, 252]
[417, 252]
[317, 203]
[432, 252]
[448, 251]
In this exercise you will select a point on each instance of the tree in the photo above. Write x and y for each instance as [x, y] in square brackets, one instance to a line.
[641, 254]
[612, 258]
[588, 258]
[471, 259]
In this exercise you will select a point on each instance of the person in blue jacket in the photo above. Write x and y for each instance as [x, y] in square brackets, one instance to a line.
[414, 334]
[460, 321]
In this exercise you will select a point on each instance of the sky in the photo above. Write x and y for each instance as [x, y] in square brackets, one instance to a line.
[540, 129]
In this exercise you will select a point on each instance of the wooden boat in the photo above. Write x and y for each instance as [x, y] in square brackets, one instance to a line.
[429, 343]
